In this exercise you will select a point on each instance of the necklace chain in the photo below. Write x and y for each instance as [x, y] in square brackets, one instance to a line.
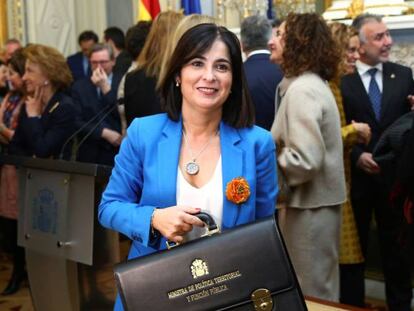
[194, 158]
[192, 168]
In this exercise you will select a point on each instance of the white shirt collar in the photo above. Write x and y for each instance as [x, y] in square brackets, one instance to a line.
[258, 52]
[363, 68]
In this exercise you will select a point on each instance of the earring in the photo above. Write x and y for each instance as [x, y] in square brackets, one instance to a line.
[177, 83]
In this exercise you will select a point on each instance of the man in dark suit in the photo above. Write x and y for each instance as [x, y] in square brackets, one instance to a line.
[79, 62]
[96, 97]
[262, 76]
[115, 37]
[377, 94]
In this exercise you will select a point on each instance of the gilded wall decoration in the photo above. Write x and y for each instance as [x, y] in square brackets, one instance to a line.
[403, 53]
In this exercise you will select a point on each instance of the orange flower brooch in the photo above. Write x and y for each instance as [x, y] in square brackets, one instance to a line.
[237, 190]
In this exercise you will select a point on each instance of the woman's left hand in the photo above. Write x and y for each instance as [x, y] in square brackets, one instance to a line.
[3, 106]
[411, 101]
[34, 104]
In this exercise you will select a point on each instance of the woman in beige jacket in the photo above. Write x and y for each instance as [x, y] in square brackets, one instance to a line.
[307, 127]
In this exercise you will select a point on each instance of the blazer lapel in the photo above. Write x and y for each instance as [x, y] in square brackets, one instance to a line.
[232, 163]
[360, 92]
[167, 161]
[50, 107]
[389, 84]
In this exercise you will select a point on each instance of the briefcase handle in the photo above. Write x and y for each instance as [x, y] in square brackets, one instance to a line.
[212, 227]
[209, 221]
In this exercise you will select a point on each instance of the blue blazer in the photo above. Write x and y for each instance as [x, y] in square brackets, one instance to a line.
[145, 175]
[263, 78]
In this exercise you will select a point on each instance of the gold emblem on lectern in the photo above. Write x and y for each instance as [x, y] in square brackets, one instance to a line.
[199, 268]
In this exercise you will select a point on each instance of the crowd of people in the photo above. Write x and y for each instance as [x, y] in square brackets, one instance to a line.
[180, 116]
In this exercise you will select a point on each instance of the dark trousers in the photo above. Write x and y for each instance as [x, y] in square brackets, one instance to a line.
[10, 236]
[393, 249]
[352, 291]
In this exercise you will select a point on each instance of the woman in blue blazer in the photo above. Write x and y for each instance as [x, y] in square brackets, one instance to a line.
[174, 165]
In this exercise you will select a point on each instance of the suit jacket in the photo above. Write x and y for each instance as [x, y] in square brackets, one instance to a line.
[140, 97]
[406, 163]
[397, 85]
[145, 175]
[122, 63]
[262, 79]
[391, 143]
[89, 105]
[75, 63]
[308, 129]
[44, 137]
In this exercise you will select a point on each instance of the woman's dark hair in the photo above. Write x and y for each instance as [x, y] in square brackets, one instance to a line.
[238, 110]
[135, 38]
[309, 46]
[18, 61]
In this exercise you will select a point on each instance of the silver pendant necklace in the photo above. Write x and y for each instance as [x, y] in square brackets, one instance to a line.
[192, 167]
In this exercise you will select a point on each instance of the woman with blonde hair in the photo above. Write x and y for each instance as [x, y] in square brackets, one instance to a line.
[140, 98]
[350, 253]
[47, 117]
[186, 23]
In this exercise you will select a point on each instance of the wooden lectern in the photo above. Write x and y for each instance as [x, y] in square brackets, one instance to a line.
[65, 245]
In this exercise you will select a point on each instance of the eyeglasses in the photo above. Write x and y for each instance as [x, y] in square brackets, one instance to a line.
[99, 62]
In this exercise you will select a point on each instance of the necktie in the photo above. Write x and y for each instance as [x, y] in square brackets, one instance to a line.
[374, 93]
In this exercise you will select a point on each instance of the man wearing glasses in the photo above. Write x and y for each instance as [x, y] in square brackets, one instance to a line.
[95, 98]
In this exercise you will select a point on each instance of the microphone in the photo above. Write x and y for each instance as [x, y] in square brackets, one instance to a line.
[75, 152]
[90, 121]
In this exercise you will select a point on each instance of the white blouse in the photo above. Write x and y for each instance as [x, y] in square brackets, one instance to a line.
[209, 198]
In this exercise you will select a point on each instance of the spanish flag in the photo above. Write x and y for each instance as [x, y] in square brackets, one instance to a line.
[148, 9]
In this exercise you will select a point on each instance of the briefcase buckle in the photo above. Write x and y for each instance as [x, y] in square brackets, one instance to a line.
[262, 300]
[211, 232]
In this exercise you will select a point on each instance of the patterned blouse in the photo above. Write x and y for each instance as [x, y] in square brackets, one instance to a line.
[11, 111]
[350, 248]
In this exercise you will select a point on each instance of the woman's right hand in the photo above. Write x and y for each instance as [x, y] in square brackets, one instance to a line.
[363, 131]
[34, 104]
[174, 222]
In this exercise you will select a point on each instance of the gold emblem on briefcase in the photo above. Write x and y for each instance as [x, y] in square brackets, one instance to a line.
[199, 268]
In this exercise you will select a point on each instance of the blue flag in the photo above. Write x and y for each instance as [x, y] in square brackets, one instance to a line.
[191, 6]
[270, 13]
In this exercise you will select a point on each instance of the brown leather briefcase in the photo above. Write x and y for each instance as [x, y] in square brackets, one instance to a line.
[246, 268]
